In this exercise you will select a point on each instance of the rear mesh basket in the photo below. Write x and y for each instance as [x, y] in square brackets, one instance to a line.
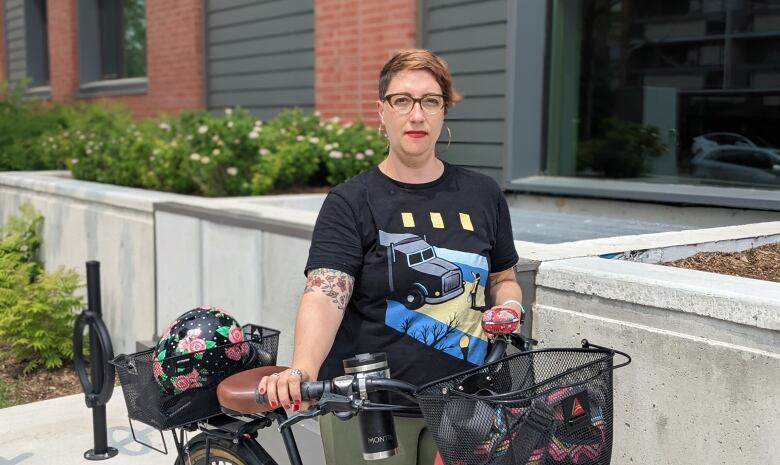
[148, 403]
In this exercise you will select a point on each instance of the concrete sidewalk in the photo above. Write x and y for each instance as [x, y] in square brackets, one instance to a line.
[59, 431]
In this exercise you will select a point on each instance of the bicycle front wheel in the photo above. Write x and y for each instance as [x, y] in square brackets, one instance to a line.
[219, 453]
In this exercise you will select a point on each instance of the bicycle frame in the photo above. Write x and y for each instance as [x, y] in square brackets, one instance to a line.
[241, 432]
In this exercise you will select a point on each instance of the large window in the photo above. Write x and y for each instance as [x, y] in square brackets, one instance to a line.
[37, 47]
[112, 45]
[26, 44]
[122, 33]
[681, 91]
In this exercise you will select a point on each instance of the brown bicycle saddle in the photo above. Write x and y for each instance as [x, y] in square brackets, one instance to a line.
[237, 392]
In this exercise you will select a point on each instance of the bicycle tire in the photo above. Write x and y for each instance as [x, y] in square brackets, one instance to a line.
[220, 453]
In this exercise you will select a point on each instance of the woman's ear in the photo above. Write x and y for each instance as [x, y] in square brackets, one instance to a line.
[379, 105]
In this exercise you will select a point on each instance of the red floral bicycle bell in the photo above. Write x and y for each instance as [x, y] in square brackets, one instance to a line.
[198, 350]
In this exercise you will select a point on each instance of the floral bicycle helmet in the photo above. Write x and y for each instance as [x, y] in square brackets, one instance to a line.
[199, 349]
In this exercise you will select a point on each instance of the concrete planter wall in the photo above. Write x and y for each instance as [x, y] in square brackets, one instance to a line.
[243, 256]
[89, 221]
[706, 348]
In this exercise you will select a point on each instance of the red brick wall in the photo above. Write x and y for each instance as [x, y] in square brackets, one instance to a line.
[174, 60]
[63, 64]
[353, 39]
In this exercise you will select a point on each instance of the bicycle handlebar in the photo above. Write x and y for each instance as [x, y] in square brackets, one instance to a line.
[348, 385]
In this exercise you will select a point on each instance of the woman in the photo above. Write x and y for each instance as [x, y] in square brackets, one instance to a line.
[398, 262]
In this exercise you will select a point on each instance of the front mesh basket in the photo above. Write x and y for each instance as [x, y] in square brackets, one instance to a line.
[148, 403]
[541, 407]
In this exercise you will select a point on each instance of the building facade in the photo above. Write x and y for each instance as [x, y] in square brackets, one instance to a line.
[664, 101]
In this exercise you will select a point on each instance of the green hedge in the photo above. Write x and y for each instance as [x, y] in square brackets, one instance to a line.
[21, 125]
[193, 152]
[199, 153]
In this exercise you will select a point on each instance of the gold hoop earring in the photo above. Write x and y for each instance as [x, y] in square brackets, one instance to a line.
[383, 133]
[449, 140]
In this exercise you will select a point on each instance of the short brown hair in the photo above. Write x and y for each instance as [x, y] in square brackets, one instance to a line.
[420, 59]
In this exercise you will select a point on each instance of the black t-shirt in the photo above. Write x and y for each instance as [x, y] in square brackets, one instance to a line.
[421, 255]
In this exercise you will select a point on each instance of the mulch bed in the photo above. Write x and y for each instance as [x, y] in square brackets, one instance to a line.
[41, 384]
[758, 263]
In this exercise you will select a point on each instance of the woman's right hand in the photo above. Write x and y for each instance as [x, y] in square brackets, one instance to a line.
[284, 389]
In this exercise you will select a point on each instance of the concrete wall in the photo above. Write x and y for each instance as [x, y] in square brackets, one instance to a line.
[88, 221]
[702, 387]
[246, 258]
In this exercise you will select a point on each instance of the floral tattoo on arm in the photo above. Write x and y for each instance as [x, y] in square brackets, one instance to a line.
[335, 284]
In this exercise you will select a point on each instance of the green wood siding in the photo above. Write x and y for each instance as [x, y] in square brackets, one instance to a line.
[259, 55]
[471, 36]
[15, 49]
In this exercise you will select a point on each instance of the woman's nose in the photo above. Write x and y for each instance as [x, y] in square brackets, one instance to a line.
[417, 113]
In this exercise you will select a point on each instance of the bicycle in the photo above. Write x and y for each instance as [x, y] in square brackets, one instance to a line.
[486, 408]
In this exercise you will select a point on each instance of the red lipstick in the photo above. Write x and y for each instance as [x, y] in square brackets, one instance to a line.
[416, 134]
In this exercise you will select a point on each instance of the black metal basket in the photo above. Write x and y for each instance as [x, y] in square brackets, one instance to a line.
[542, 407]
[148, 403]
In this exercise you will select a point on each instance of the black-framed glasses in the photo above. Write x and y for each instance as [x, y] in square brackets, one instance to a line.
[403, 103]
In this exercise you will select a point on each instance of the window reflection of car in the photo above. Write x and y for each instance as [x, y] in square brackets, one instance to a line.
[737, 163]
[712, 140]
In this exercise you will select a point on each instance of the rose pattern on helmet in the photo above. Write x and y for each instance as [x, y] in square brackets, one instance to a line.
[237, 351]
[188, 381]
[184, 359]
[167, 331]
[156, 369]
[235, 334]
[222, 311]
[233, 353]
[183, 346]
[197, 345]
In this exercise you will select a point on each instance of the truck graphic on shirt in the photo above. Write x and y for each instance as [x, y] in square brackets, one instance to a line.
[416, 275]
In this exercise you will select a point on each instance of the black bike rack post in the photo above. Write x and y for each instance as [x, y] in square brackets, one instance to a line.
[100, 385]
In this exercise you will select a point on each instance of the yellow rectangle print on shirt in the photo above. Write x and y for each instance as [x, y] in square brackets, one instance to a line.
[465, 221]
[407, 219]
[437, 221]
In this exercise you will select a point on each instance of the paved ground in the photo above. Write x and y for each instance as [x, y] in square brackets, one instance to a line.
[59, 431]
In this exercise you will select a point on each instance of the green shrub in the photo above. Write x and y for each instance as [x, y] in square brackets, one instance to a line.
[21, 125]
[624, 150]
[194, 152]
[199, 153]
[37, 308]
[355, 148]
